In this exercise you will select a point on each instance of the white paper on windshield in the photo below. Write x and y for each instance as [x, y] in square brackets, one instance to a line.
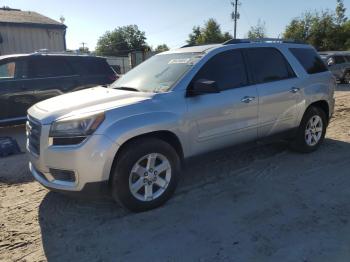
[179, 61]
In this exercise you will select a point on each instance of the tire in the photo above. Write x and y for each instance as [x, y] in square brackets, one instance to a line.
[302, 140]
[127, 174]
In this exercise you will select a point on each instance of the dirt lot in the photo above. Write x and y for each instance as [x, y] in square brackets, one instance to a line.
[262, 203]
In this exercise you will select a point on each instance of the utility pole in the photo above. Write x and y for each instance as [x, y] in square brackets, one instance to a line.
[83, 44]
[235, 15]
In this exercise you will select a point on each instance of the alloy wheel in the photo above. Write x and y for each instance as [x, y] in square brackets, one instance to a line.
[313, 131]
[150, 177]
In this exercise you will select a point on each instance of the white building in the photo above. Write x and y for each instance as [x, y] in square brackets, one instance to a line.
[27, 31]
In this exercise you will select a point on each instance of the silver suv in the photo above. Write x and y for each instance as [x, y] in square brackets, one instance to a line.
[130, 139]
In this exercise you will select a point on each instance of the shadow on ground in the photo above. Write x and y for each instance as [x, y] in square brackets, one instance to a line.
[262, 203]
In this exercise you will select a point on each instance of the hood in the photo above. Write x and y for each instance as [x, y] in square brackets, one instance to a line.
[85, 101]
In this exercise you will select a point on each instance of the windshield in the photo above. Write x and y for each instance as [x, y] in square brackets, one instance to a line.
[157, 74]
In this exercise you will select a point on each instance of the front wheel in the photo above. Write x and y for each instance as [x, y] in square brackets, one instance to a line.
[311, 131]
[145, 175]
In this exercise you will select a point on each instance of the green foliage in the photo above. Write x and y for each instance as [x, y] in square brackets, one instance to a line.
[340, 12]
[210, 33]
[162, 48]
[194, 36]
[258, 31]
[121, 41]
[324, 30]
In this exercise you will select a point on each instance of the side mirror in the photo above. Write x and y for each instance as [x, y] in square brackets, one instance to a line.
[202, 87]
[330, 62]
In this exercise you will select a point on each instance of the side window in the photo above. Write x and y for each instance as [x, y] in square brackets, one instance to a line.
[7, 70]
[99, 67]
[268, 64]
[49, 67]
[339, 59]
[309, 59]
[91, 66]
[226, 68]
[347, 58]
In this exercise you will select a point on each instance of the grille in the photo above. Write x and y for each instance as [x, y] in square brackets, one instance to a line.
[33, 133]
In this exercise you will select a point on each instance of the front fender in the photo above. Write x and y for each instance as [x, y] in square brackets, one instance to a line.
[136, 125]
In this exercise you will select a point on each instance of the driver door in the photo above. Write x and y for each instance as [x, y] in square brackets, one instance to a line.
[230, 116]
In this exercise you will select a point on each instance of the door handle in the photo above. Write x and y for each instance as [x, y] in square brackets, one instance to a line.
[294, 90]
[247, 99]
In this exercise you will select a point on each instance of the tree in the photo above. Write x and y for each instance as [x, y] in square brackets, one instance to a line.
[194, 36]
[346, 35]
[258, 31]
[324, 30]
[162, 48]
[210, 33]
[340, 13]
[121, 41]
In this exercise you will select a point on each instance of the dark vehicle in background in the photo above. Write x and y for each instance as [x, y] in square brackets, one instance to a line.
[339, 65]
[26, 79]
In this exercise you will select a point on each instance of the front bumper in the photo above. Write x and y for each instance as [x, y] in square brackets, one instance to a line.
[91, 161]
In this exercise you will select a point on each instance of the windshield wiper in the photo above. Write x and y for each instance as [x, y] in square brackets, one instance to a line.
[127, 88]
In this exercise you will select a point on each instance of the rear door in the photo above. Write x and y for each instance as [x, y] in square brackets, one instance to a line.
[50, 76]
[278, 90]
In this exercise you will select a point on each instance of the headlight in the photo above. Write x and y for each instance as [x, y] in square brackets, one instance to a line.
[76, 127]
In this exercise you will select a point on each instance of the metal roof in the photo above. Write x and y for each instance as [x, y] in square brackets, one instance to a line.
[18, 17]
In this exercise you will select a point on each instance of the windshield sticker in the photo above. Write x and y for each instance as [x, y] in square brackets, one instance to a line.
[161, 88]
[179, 61]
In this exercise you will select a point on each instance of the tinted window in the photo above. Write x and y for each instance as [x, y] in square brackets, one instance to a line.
[339, 59]
[268, 64]
[347, 58]
[309, 59]
[99, 67]
[226, 68]
[49, 67]
[90, 66]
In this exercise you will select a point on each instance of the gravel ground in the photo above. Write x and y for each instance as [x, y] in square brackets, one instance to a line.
[261, 203]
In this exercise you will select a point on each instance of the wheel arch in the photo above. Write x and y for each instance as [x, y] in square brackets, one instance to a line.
[323, 105]
[165, 135]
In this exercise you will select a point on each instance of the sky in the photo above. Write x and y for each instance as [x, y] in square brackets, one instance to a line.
[163, 21]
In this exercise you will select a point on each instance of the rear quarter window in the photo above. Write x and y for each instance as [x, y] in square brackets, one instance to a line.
[309, 59]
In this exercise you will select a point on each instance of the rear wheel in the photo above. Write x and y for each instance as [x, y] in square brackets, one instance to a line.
[311, 131]
[145, 175]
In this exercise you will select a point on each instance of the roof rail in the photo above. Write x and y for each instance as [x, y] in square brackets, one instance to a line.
[262, 40]
[47, 52]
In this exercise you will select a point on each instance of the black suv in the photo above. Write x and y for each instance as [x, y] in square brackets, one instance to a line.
[29, 78]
